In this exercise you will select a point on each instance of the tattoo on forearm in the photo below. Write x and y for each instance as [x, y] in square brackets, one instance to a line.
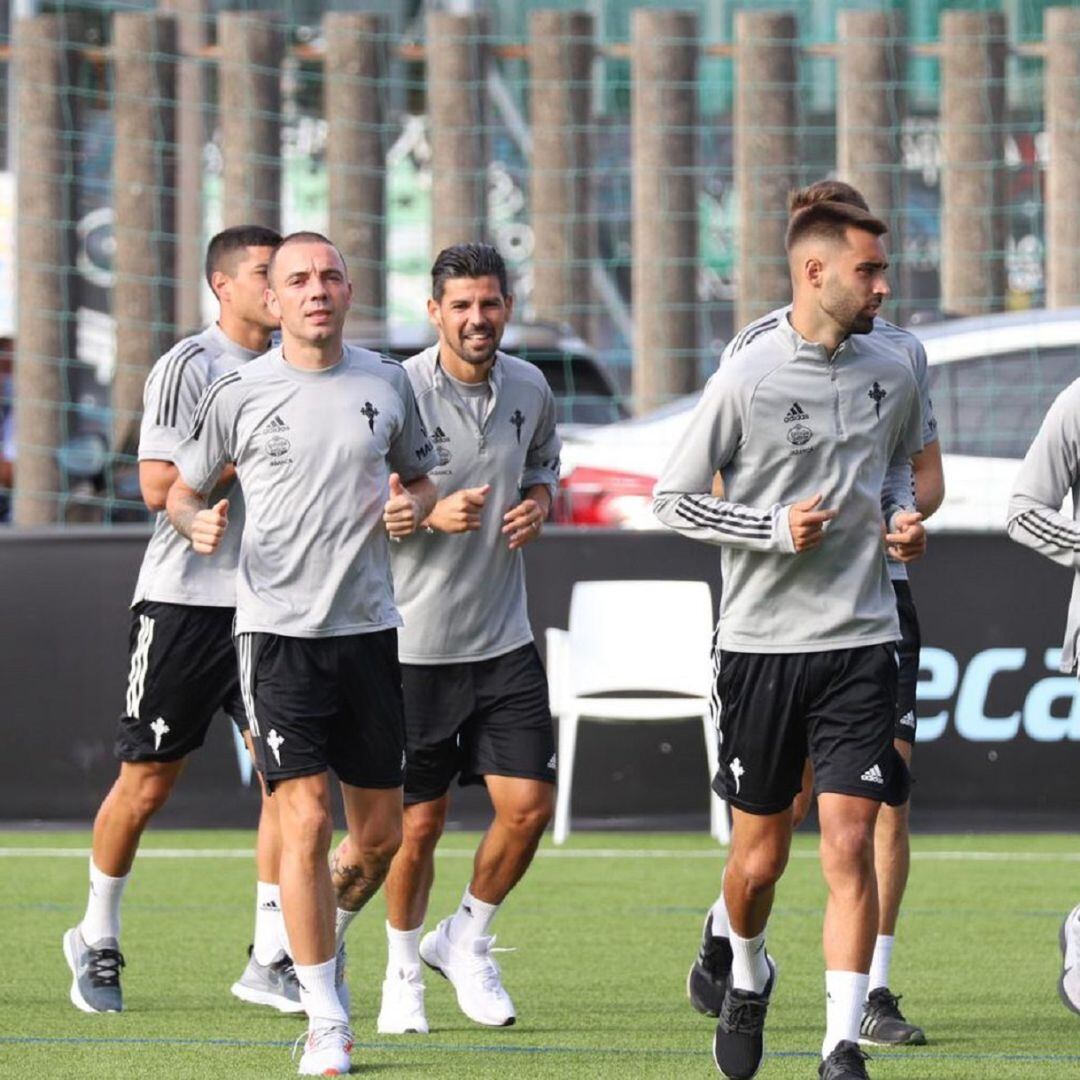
[356, 884]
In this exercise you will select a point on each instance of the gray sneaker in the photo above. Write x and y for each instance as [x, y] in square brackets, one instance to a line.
[1069, 983]
[95, 973]
[269, 984]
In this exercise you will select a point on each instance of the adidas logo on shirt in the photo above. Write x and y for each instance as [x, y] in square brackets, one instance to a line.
[873, 775]
[274, 425]
[795, 413]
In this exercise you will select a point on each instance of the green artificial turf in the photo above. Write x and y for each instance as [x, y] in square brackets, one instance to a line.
[603, 932]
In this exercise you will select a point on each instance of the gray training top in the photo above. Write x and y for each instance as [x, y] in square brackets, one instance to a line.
[171, 572]
[916, 354]
[313, 450]
[781, 420]
[463, 595]
[1051, 470]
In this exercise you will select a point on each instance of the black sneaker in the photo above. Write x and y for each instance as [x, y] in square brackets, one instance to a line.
[739, 1042]
[707, 981]
[883, 1023]
[846, 1062]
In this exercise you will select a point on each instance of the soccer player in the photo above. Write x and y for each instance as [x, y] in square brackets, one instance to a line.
[882, 1021]
[183, 663]
[476, 699]
[1050, 472]
[320, 434]
[803, 421]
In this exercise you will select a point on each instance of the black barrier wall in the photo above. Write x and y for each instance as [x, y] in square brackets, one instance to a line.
[999, 727]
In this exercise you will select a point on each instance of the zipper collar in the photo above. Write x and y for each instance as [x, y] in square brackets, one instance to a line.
[811, 350]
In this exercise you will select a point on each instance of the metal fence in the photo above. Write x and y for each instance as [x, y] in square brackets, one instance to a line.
[635, 183]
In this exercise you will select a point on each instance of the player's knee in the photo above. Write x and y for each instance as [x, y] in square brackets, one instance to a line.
[145, 789]
[309, 826]
[528, 819]
[849, 845]
[421, 832]
[763, 867]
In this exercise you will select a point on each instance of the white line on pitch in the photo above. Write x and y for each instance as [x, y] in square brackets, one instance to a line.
[557, 853]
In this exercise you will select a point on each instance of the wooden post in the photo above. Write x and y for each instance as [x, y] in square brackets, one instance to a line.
[192, 127]
[560, 62]
[354, 103]
[44, 205]
[868, 108]
[1061, 32]
[144, 182]
[972, 145]
[457, 110]
[664, 57]
[766, 155]
[249, 102]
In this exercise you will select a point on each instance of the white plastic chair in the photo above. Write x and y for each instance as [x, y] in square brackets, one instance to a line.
[630, 638]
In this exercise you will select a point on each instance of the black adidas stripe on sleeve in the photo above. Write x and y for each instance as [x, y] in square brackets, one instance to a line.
[212, 391]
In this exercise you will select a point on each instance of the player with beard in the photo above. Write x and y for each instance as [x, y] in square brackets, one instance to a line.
[805, 422]
[882, 1021]
[476, 698]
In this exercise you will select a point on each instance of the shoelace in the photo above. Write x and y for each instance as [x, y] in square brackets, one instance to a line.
[103, 967]
[324, 1038]
[284, 967]
[850, 1057]
[744, 1017]
[886, 1004]
[486, 969]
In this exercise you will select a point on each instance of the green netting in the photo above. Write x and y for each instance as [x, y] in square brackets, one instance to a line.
[589, 351]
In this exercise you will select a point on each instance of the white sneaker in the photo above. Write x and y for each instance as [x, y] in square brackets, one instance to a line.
[326, 1051]
[1069, 983]
[402, 1008]
[473, 974]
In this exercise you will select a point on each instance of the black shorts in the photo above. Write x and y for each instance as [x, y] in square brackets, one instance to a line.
[319, 703]
[908, 651]
[182, 670]
[471, 720]
[836, 707]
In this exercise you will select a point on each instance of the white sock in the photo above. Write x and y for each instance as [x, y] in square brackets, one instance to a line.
[402, 948]
[269, 925]
[879, 966]
[342, 921]
[720, 925]
[845, 992]
[102, 918]
[319, 995]
[471, 920]
[749, 968]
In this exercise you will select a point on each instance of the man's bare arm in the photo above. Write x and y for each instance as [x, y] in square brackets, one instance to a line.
[203, 526]
[157, 476]
[929, 478]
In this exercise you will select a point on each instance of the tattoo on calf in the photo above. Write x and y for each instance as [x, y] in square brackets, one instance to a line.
[356, 885]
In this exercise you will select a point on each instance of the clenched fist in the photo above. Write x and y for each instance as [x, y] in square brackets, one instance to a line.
[208, 527]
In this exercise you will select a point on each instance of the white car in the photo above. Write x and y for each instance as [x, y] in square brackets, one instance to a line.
[992, 379]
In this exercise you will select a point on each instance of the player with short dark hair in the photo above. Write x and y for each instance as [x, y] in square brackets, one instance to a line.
[882, 1021]
[183, 663]
[807, 421]
[476, 698]
[333, 458]
[1049, 474]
